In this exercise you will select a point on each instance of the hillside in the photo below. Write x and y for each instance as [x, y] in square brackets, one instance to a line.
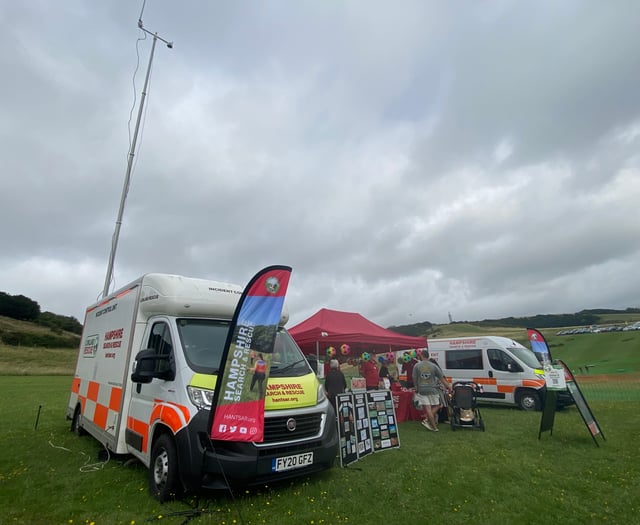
[24, 333]
[511, 326]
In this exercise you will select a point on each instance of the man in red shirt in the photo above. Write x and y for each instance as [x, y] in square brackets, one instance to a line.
[369, 370]
[407, 368]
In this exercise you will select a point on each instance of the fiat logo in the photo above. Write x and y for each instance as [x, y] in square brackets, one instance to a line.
[291, 424]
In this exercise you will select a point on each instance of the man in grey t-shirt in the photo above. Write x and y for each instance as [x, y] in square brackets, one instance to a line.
[426, 377]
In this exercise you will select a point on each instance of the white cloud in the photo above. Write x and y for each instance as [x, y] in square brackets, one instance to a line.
[405, 162]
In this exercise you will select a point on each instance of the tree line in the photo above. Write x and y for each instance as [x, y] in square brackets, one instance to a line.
[23, 308]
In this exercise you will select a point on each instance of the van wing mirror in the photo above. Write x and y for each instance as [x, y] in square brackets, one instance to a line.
[148, 365]
[144, 366]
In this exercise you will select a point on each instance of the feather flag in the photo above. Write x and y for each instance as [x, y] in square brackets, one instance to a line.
[539, 346]
[237, 411]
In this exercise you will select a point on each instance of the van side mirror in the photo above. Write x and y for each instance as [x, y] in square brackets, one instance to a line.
[148, 365]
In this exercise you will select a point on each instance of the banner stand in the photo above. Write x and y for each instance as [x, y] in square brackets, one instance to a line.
[550, 404]
[366, 423]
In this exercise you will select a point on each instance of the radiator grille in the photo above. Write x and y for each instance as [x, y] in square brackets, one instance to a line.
[307, 425]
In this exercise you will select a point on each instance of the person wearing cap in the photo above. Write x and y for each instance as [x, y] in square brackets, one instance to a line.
[426, 378]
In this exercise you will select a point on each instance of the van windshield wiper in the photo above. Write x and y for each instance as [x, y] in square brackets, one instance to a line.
[291, 365]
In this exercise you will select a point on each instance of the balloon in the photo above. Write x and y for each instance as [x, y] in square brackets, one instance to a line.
[345, 349]
[381, 359]
[390, 357]
[366, 356]
[331, 352]
[406, 358]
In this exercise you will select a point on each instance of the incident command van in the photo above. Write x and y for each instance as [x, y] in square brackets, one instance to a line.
[162, 419]
[508, 372]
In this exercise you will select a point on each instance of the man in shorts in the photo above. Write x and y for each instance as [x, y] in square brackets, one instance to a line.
[426, 377]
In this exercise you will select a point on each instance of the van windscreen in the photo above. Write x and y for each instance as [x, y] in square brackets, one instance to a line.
[526, 356]
[203, 341]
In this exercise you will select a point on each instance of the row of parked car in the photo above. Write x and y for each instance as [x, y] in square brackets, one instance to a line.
[595, 329]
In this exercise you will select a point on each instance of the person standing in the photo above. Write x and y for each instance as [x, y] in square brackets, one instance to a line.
[407, 368]
[426, 378]
[384, 377]
[335, 383]
[259, 373]
[369, 370]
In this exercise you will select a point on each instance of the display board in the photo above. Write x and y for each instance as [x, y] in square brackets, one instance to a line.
[548, 414]
[363, 426]
[585, 411]
[382, 418]
[583, 407]
[347, 433]
[366, 423]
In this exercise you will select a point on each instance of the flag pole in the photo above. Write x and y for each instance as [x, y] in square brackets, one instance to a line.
[132, 149]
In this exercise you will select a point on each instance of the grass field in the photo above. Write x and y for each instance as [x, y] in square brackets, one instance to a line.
[504, 475]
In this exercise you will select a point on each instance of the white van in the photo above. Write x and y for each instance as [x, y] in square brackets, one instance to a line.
[161, 416]
[508, 372]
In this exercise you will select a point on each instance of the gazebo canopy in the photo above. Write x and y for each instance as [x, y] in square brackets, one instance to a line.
[328, 328]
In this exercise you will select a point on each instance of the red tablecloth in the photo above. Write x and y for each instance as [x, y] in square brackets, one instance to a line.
[403, 403]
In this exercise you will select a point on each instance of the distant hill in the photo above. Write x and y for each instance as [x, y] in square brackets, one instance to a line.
[23, 308]
[14, 332]
[599, 316]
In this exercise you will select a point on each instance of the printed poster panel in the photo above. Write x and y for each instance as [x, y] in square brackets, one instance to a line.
[382, 419]
[363, 428]
[358, 384]
[347, 432]
[237, 411]
[554, 378]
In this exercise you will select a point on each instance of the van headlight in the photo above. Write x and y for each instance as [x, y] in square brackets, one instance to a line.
[321, 395]
[200, 397]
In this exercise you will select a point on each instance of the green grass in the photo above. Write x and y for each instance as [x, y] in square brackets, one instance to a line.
[502, 476]
[20, 360]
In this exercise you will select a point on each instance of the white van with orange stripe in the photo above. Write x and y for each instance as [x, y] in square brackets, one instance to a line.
[508, 372]
[163, 421]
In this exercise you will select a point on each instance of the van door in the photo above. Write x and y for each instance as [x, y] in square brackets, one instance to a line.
[506, 372]
[146, 396]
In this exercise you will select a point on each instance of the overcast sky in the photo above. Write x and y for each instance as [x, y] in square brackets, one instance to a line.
[408, 159]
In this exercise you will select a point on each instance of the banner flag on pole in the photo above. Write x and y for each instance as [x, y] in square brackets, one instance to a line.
[539, 346]
[237, 410]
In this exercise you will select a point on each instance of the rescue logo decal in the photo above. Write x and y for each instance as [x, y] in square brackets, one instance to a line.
[90, 347]
[272, 284]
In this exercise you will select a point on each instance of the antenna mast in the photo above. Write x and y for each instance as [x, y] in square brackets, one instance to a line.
[132, 149]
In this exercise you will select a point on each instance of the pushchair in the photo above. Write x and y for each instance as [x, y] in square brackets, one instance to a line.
[463, 409]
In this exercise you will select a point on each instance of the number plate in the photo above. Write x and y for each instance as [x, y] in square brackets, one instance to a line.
[292, 462]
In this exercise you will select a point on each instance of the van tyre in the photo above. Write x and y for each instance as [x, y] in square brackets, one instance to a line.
[529, 400]
[75, 423]
[164, 477]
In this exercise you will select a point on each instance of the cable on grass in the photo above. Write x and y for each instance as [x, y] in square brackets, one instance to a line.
[86, 467]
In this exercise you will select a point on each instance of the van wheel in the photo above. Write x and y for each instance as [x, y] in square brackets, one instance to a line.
[164, 479]
[529, 400]
[75, 423]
